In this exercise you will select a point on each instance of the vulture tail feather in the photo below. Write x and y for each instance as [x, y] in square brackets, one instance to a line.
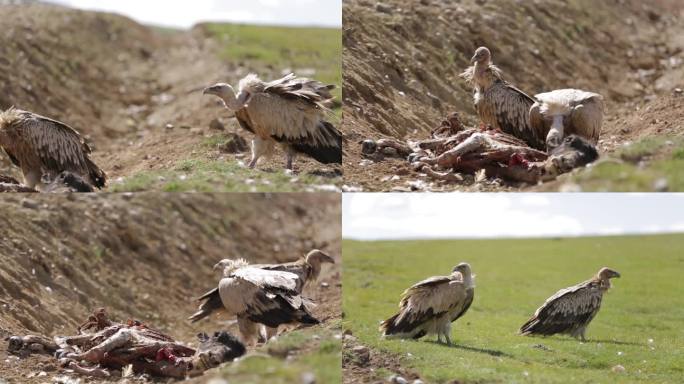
[213, 303]
[323, 154]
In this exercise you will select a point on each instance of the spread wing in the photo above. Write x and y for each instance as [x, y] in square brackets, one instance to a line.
[566, 309]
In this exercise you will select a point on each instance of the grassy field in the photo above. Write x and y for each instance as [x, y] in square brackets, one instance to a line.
[640, 325]
[292, 358]
[651, 164]
[295, 48]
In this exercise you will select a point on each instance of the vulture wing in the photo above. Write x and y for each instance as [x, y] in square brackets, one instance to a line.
[424, 301]
[299, 268]
[509, 108]
[260, 304]
[295, 118]
[470, 295]
[268, 279]
[212, 303]
[567, 309]
[53, 146]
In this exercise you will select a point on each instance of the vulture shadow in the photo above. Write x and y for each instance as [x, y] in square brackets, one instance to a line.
[615, 342]
[490, 352]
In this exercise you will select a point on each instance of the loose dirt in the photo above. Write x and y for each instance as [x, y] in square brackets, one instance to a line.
[402, 58]
[146, 256]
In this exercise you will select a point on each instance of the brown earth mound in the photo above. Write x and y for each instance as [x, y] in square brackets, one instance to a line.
[402, 59]
[145, 256]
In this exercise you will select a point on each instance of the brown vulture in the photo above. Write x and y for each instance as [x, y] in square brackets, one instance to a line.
[430, 306]
[291, 111]
[571, 309]
[498, 103]
[44, 148]
[256, 296]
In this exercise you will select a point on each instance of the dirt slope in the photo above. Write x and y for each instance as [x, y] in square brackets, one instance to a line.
[121, 84]
[145, 256]
[402, 59]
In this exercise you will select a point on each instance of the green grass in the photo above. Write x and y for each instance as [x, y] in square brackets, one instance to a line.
[321, 357]
[513, 278]
[201, 175]
[663, 159]
[285, 47]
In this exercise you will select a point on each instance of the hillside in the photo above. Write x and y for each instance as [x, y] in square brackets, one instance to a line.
[135, 92]
[402, 58]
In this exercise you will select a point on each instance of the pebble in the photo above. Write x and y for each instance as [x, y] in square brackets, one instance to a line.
[362, 352]
[661, 185]
[396, 379]
[308, 378]
[618, 369]
[384, 8]
[217, 381]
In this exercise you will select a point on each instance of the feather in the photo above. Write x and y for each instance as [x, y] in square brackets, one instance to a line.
[431, 305]
[43, 147]
[570, 310]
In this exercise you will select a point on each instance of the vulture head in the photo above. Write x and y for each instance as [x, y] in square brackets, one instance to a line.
[229, 265]
[226, 93]
[482, 56]
[317, 257]
[606, 273]
[463, 268]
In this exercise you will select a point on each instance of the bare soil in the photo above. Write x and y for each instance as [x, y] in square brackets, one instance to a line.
[402, 58]
[146, 256]
[121, 84]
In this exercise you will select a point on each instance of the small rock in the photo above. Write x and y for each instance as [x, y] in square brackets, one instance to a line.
[618, 369]
[384, 8]
[217, 381]
[365, 162]
[30, 204]
[418, 381]
[396, 379]
[168, 126]
[216, 124]
[308, 378]
[661, 185]
[368, 147]
[325, 285]
[389, 151]
[362, 352]
[235, 144]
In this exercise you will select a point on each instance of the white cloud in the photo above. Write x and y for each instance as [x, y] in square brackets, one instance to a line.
[453, 215]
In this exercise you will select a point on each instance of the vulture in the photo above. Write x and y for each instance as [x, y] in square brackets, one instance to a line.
[431, 305]
[307, 268]
[43, 148]
[256, 296]
[499, 103]
[571, 309]
[291, 111]
[567, 111]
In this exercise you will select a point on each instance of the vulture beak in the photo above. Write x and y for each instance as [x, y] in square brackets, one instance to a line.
[209, 91]
[473, 59]
[616, 274]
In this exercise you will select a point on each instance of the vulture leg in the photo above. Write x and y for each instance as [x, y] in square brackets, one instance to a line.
[32, 179]
[271, 332]
[248, 329]
[447, 331]
[289, 157]
[260, 147]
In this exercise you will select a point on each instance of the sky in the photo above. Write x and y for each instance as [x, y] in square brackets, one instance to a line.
[186, 13]
[388, 216]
